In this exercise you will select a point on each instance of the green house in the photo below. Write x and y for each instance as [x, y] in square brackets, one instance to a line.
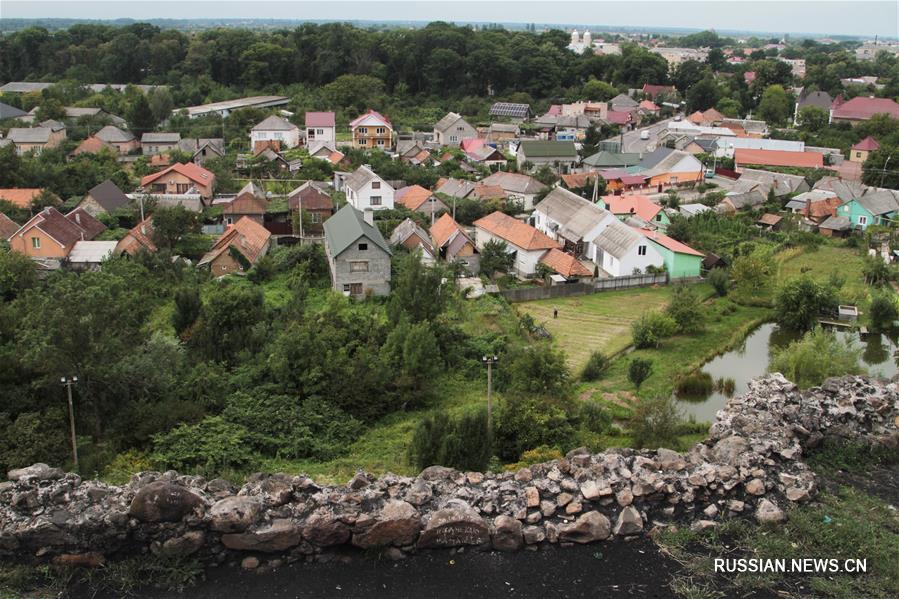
[875, 208]
[681, 261]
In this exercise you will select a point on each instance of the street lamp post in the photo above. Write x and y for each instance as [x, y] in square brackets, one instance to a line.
[883, 171]
[490, 361]
[67, 383]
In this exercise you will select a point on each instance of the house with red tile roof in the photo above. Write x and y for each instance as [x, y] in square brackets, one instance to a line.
[649, 106]
[372, 130]
[238, 249]
[565, 264]
[321, 126]
[93, 145]
[681, 261]
[625, 206]
[179, 178]
[861, 109]
[21, 196]
[651, 91]
[7, 226]
[860, 151]
[744, 157]
[527, 243]
[139, 238]
[453, 244]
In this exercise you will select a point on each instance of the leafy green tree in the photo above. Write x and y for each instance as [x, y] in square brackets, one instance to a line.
[227, 321]
[598, 91]
[459, 442]
[815, 357]
[354, 92]
[170, 225]
[140, 116]
[751, 276]
[418, 293]
[651, 328]
[719, 280]
[495, 257]
[801, 301]
[188, 307]
[883, 311]
[879, 170]
[413, 350]
[638, 370]
[655, 423]
[161, 103]
[17, 274]
[538, 370]
[526, 422]
[812, 118]
[51, 108]
[596, 366]
[704, 94]
[686, 309]
[775, 105]
[729, 107]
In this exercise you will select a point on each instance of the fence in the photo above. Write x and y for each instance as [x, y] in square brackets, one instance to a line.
[527, 294]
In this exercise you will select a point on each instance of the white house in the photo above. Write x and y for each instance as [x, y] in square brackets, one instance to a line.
[622, 250]
[527, 243]
[274, 128]
[365, 190]
[572, 221]
[321, 127]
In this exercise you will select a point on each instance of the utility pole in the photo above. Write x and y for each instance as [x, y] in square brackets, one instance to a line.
[489, 361]
[883, 171]
[67, 383]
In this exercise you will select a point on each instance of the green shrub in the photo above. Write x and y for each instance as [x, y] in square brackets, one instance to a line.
[119, 471]
[651, 328]
[686, 309]
[210, 446]
[594, 417]
[526, 422]
[638, 371]
[719, 280]
[460, 442]
[883, 311]
[801, 301]
[695, 384]
[655, 423]
[596, 366]
[815, 357]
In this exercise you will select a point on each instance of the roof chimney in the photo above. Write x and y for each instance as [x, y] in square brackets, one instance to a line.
[369, 217]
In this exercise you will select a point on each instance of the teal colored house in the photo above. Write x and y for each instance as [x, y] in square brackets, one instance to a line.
[874, 208]
[681, 261]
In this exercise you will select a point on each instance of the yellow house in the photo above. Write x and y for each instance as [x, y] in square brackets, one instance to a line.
[860, 151]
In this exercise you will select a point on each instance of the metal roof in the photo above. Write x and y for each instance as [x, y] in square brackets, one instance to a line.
[548, 149]
[92, 252]
[234, 104]
[520, 111]
[29, 135]
[617, 239]
[348, 225]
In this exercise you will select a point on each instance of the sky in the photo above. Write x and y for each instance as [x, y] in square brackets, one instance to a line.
[797, 16]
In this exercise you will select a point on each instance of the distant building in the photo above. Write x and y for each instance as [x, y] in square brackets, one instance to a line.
[372, 130]
[238, 249]
[860, 151]
[452, 129]
[226, 107]
[365, 190]
[154, 144]
[277, 130]
[35, 139]
[103, 198]
[321, 127]
[180, 179]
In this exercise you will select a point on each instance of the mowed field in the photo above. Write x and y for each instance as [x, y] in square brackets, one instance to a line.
[824, 261]
[601, 321]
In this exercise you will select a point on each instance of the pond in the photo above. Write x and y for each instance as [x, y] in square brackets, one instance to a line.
[751, 359]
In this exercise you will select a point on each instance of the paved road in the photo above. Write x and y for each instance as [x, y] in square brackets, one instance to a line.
[617, 569]
[633, 143]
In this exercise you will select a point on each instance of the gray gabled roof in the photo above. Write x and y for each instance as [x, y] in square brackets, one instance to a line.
[406, 229]
[347, 226]
[457, 188]
[879, 202]
[447, 121]
[360, 177]
[623, 100]
[275, 123]
[160, 138]
[29, 135]
[112, 134]
[836, 223]
[617, 239]
[575, 215]
[108, 195]
[10, 112]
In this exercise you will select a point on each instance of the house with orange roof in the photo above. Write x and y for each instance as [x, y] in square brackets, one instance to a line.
[238, 249]
[179, 178]
[681, 261]
[7, 226]
[488, 192]
[419, 199]
[526, 243]
[249, 202]
[372, 130]
[453, 244]
[636, 205]
[565, 265]
[51, 235]
[21, 196]
[744, 157]
[649, 106]
[139, 238]
[653, 91]
[93, 145]
[860, 151]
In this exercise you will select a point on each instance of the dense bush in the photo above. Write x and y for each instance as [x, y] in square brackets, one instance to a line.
[686, 309]
[800, 302]
[210, 446]
[719, 280]
[457, 442]
[594, 417]
[528, 421]
[883, 311]
[595, 367]
[651, 328]
[655, 423]
[815, 357]
[638, 370]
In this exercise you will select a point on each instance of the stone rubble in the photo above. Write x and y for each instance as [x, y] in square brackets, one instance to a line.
[750, 466]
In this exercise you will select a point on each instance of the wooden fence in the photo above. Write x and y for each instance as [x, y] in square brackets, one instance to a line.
[527, 294]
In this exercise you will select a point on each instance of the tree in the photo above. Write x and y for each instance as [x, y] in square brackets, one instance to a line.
[703, 95]
[729, 107]
[596, 366]
[51, 108]
[719, 280]
[161, 103]
[140, 116]
[751, 275]
[655, 423]
[526, 422]
[882, 168]
[689, 73]
[815, 357]
[538, 370]
[495, 257]
[417, 292]
[685, 308]
[877, 272]
[354, 92]
[17, 273]
[801, 301]
[638, 370]
[775, 105]
[883, 311]
[812, 118]
[188, 306]
[599, 91]
[170, 225]
[651, 328]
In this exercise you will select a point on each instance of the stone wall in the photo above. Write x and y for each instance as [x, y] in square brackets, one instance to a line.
[751, 465]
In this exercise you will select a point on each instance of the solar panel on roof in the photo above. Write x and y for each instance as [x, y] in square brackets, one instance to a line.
[510, 110]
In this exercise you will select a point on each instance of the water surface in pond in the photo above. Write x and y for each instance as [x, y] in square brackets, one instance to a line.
[750, 360]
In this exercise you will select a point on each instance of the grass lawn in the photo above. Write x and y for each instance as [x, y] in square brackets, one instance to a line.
[822, 262]
[601, 321]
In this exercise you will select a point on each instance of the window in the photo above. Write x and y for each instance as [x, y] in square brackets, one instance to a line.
[380, 142]
[376, 185]
[363, 247]
[355, 288]
[319, 131]
[363, 130]
[375, 200]
[858, 154]
[36, 243]
[863, 220]
[182, 187]
[641, 250]
[359, 266]
[346, 287]
[453, 138]
[673, 180]
[315, 217]
[380, 130]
